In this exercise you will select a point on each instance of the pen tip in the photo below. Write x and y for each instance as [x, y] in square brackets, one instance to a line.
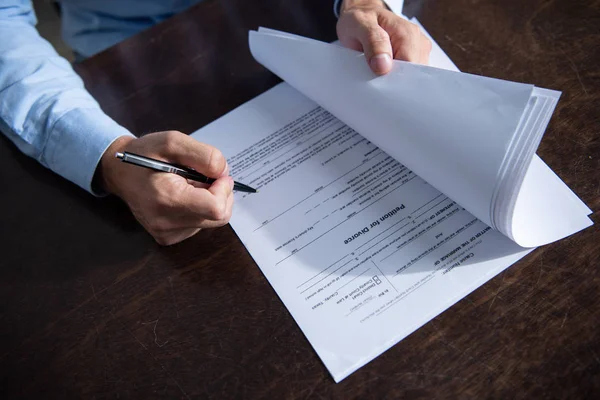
[118, 155]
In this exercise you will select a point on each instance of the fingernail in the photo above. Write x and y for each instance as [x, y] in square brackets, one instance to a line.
[381, 63]
[226, 170]
[230, 182]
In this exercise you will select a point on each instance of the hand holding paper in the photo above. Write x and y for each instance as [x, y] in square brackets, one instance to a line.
[473, 138]
[361, 249]
[369, 27]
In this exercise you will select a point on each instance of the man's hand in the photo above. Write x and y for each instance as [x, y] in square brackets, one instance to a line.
[368, 26]
[170, 207]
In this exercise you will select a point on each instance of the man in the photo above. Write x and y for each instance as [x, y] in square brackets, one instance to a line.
[48, 114]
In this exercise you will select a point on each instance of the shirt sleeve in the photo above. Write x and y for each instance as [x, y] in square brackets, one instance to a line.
[336, 7]
[393, 5]
[44, 107]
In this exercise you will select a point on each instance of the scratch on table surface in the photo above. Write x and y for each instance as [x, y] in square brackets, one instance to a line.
[493, 300]
[97, 331]
[148, 87]
[94, 293]
[575, 357]
[595, 356]
[541, 270]
[173, 294]
[575, 69]
[311, 390]
[432, 375]
[154, 330]
[151, 355]
[457, 44]
[565, 318]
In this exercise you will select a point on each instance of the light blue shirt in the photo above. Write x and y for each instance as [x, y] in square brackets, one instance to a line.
[44, 107]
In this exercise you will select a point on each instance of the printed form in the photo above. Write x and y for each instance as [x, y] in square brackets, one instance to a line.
[360, 250]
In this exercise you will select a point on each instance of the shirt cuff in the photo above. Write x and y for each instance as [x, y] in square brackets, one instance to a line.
[77, 142]
[336, 7]
[393, 5]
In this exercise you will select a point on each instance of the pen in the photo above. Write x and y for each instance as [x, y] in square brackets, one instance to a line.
[180, 170]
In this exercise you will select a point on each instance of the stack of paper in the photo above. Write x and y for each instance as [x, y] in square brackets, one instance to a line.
[471, 137]
[378, 195]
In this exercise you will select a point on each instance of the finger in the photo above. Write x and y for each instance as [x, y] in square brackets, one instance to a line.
[405, 37]
[376, 45]
[426, 46]
[182, 149]
[407, 45]
[207, 224]
[197, 204]
[183, 220]
[222, 190]
[226, 171]
[197, 184]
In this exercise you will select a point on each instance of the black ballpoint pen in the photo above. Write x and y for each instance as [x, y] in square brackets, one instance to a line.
[186, 172]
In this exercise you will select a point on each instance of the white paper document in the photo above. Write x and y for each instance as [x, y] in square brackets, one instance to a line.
[361, 249]
[473, 138]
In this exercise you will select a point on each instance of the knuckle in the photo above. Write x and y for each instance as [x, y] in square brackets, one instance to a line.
[158, 226]
[164, 239]
[377, 35]
[170, 139]
[414, 30]
[227, 217]
[216, 212]
[355, 20]
[355, 14]
[427, 44]
[163, 202]
[406, 31]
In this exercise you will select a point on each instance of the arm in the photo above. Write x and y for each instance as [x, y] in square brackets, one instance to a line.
[368, 26]
[46, 111]
[44, 107]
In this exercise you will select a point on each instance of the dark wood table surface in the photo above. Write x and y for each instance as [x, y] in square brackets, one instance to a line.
[91, 307]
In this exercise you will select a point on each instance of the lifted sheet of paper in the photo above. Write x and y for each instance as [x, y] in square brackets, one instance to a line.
[361, 250]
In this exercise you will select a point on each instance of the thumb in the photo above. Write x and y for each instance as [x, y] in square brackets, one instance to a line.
[221, 189]
[377, 47]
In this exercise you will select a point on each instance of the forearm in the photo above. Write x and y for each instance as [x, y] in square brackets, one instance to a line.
[44, 107]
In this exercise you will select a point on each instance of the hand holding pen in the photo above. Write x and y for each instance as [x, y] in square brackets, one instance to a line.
[169, 207]
[186, 172]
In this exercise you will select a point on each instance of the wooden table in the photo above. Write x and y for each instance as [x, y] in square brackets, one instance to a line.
[91, 307]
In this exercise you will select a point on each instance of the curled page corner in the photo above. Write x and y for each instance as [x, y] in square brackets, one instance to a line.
[451, 129]
[360, 263]
[546, 210]
[461, 133]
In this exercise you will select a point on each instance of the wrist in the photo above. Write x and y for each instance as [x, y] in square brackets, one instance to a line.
[108, 170]
[353, 4]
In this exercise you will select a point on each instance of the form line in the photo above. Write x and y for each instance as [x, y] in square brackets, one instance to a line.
[425, 205]
[352, 280]
[314, 276]
[408, 223]
[431, 208]
[330, 183]
[347, 219]
[384, 275]
[245, 175]
[327, 276]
